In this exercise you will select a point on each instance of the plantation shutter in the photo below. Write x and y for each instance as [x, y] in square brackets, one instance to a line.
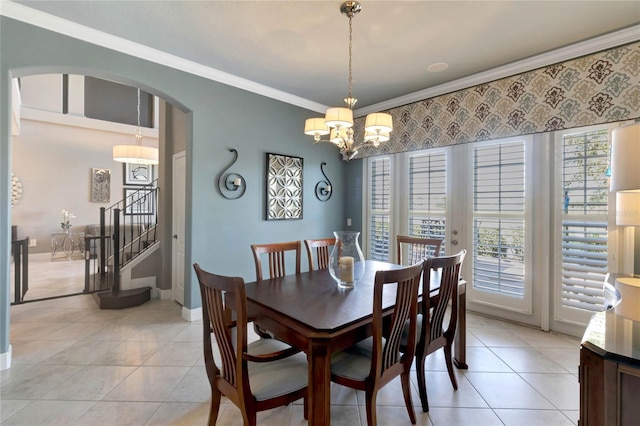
[379, 220]
[499, 208]
[585, 159]
[427, 196]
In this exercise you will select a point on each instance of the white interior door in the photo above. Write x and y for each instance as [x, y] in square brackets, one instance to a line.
[178, 228]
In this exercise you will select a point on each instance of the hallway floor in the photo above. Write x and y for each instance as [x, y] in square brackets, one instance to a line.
[76, 365]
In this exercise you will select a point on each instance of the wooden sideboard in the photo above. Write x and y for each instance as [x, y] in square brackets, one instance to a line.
[609, 372]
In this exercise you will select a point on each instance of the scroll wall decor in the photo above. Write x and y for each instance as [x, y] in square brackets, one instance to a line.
[599, 88]
[231, 185]
[284, 187]
[323, 188]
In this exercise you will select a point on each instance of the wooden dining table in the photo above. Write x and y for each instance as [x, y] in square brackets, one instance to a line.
[309, 311]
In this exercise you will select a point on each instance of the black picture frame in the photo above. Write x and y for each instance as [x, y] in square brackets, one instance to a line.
[284, 187]
[139, 201]
[137, 174]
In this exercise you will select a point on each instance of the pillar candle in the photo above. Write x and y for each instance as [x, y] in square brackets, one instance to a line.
[346, 269]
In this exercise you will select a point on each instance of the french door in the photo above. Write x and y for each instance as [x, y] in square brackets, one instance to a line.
[533, 255]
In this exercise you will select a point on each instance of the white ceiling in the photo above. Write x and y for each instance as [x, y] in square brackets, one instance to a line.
[301, 47]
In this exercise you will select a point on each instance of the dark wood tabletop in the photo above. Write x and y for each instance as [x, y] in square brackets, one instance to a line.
[313, 299]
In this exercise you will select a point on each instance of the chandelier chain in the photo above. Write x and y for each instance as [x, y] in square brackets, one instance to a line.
[138, 107]
[350, 54]
[139, 129]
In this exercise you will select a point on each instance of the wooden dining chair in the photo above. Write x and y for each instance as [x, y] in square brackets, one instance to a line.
[258, 376]
[375, 361]
[276, 258]
[323, 249]
[417, 248]
[276, 261]
[433, 333]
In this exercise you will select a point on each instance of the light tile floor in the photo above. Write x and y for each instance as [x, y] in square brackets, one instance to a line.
[76, 365]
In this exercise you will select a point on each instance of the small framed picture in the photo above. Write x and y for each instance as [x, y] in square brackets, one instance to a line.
[137, 174]
[139, 201]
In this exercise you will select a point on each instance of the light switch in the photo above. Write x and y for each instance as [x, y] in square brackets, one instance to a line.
[348, 221]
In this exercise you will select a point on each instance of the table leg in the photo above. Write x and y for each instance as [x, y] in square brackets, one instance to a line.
[460, 343]
[319, 397]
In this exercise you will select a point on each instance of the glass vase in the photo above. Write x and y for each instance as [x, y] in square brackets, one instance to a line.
[346, 261]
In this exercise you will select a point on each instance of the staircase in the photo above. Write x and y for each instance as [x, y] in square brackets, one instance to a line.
[128, 229]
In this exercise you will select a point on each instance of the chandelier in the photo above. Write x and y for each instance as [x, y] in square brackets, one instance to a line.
[338, 121]
[136, 154]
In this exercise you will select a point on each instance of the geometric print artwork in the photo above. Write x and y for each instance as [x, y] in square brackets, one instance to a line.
[284, 187]
[598, 88]
[16, 189]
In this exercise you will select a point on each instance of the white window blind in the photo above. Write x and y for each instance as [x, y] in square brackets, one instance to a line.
[499, 208]
[380, 199]
[427, 196]
[585, 160]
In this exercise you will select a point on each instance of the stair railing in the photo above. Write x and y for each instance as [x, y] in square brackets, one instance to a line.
[127, 229]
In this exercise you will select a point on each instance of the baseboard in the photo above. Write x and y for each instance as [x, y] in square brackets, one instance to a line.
[191, 314]
[5, 360]
[158, 293]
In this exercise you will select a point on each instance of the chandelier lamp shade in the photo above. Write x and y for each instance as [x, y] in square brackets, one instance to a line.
[338, 121]
[138, 153]
[625, 158]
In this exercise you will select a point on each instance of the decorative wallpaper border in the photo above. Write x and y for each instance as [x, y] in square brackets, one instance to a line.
[600, 88]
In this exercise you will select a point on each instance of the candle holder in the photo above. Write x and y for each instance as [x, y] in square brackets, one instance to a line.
[231, 185]
[346, 261]
[323, 188]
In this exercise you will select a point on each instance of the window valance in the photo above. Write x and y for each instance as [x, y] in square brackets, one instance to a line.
[599, 88]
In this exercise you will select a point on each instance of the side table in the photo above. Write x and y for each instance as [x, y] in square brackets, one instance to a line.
[67, 244]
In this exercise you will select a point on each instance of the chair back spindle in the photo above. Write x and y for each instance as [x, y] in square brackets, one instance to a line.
[411, 250]
[322, 248]
[276, 254]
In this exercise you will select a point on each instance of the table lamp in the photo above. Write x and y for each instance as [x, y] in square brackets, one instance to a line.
[628, 214]
[625, 158]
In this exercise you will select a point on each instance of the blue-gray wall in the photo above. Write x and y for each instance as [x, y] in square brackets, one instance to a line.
[219, 231]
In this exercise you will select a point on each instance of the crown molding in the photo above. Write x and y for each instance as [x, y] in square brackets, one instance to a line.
[596, 44]
[49, 22]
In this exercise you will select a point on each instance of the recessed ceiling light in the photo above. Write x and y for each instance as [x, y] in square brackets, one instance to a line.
[438, 67]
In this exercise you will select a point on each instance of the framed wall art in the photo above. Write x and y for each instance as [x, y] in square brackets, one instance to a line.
[100, 185]
[139, 201]
[284, 187]
[137, 174]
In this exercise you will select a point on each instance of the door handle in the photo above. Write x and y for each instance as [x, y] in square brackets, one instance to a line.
[175, 236]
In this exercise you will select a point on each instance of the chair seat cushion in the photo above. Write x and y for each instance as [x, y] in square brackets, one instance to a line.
[275, 378]
[354, 362]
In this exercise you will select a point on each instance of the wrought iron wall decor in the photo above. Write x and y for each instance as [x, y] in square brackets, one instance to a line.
[323, 188]
[284, 187]
[231, 185]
